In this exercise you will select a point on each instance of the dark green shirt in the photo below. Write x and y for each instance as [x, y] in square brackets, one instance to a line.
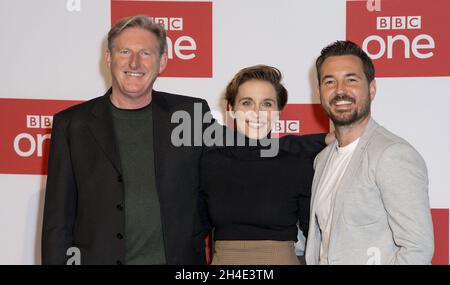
[144, 242]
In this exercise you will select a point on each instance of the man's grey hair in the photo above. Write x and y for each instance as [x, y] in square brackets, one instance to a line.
[138, 21]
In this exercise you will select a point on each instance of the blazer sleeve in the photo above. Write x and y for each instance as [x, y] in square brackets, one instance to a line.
[60, 198]
[401, 176]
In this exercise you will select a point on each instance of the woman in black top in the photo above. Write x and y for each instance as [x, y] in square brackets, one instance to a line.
[257, 189]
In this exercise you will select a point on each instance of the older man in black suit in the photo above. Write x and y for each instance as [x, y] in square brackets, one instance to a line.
[118, 189]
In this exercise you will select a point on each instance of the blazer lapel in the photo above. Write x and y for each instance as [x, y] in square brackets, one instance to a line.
[101, 127]
[314, 238]
[161, 134]
[320, 168]
[355, 163]
[349, 174]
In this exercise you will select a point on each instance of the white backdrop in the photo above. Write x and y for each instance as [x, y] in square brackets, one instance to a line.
[48, 52]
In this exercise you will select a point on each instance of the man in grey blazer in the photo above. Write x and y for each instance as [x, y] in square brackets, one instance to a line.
[369, 201]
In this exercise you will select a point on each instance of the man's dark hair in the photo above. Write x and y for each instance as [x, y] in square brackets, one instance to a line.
[346, 48]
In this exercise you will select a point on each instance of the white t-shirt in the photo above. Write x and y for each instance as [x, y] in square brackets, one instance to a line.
[326, 192]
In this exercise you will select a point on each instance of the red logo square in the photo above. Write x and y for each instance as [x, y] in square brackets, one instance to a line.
[441, 240]
[26, 129]
[404, 38]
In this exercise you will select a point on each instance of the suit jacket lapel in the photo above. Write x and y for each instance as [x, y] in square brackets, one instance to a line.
[314, 239]
[161, 134]
[320, 168]
[101, 127]
[349, 174]
[354, 164]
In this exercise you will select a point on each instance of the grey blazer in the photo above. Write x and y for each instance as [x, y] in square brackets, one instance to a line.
[382, 213]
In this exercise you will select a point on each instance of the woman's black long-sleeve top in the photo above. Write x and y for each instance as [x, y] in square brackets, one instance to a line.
[249, 197]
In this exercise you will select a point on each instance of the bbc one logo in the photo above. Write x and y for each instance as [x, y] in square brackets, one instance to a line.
[403, 38]
[26, 144]
[189, 32]
[26, 126]
[420, 42]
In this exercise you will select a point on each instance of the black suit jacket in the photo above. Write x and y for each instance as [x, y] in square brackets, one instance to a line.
[84, 202]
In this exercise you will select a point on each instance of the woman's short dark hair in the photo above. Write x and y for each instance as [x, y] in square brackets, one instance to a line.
[258, 72]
